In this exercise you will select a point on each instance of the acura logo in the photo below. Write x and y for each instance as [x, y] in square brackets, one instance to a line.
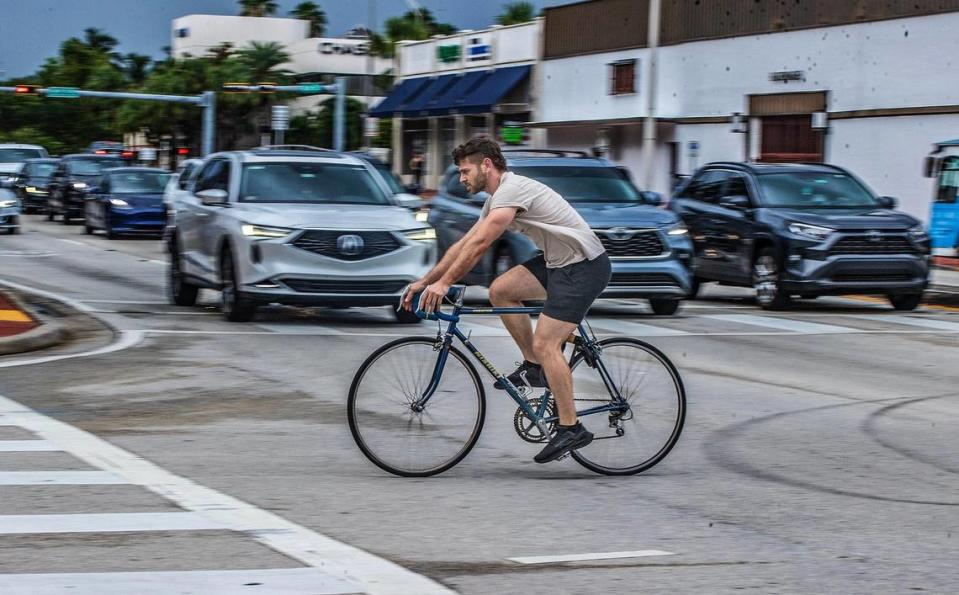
[350, 245]
[874, 236]
[620, 233]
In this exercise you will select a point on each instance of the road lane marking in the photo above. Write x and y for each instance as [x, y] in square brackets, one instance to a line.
[74, 242]
[127, 339]
[48, 294]
[138, 303]
[636, 329]
[27, 446]
[375, 575]
[78, 478]
[300, 329]
[585, 557]
[293, 581]
[119, 522]
[785, 324]
[930, 323]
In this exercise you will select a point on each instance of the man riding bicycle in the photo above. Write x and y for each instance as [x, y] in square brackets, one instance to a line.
[572, 271]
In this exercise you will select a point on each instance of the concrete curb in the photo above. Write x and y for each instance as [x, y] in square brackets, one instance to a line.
[48, 333]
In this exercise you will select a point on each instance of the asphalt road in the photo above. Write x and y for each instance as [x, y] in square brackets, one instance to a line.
[819, 453]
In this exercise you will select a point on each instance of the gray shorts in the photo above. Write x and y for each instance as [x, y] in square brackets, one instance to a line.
[572, 289]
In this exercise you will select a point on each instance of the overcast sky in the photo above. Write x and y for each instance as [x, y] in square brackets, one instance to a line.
[32, 30]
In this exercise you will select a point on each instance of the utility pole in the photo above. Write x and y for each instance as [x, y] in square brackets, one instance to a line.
[649, 125]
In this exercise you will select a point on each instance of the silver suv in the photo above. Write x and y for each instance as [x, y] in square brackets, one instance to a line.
[292, 226]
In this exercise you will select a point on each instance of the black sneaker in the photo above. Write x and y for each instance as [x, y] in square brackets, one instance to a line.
[534, 376]
[566, 439]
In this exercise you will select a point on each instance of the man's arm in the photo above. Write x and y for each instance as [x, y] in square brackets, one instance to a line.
[471, 249]
[437, 272]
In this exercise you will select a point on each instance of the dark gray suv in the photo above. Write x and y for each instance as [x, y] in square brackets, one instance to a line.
[803, 230]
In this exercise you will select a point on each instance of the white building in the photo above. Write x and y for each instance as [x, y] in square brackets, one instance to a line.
[868, 92]
[312, 59]
[449, 88]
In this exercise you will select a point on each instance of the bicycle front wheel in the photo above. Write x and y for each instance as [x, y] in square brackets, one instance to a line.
[634, 441]
[383, 419]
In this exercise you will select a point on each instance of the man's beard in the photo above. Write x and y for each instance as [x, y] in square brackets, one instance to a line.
[479, 185]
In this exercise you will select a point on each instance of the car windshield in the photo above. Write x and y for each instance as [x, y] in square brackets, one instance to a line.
[299, 182]
[584, 184]
[41, 170]
[389, 176]
[814, 190]
[142, 182]
[17, 155]
[90, 167]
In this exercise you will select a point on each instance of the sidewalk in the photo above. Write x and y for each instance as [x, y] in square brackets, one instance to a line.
[945, 278]
[13, 320]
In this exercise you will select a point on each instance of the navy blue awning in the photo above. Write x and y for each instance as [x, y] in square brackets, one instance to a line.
[403, 92]
[475, 92]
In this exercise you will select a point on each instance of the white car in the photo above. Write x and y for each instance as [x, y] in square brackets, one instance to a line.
[302, 227]
[12, 156]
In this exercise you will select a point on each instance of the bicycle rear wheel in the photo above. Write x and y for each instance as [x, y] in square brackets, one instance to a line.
[657, 407]
[382, 418]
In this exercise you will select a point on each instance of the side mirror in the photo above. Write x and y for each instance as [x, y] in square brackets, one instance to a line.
[412, 188]
[888, 202]
[654, 199]
[740, 203]
[212, 197]
[409, 201]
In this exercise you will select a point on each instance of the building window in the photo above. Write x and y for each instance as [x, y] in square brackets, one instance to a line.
[184, 32]
[622, 79]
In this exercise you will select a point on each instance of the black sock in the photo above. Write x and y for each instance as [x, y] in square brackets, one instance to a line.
[572, 427]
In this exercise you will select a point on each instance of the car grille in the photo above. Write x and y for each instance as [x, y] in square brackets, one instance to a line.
[324, 242]
[639, 244]
[872, 277]
[642, 280]
[345, 287]
[881, 244]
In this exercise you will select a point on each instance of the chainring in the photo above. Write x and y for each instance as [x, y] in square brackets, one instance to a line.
[527, 428]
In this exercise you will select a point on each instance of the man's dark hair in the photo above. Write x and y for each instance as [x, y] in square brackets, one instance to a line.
[482, 147]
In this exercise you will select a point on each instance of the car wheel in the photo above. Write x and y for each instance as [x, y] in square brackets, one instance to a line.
[50, 214]
[235, 307]
[181, 292]
[694, 287]
[503, 260]
[108, 229]
[905, 301]
[65, 217]
[664, 306]
[767, 281]
[88, 229]
[405, 317]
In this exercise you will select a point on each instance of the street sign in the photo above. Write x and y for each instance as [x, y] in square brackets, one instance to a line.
[63, 92]
[310, 88]
[281, 117]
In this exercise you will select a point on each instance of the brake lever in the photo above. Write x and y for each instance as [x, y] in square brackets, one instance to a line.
[406, 290]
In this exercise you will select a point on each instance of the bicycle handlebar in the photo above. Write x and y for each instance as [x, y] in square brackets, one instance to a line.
[438, 314]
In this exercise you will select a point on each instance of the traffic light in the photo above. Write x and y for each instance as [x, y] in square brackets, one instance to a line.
[183, 151]
[26, 90]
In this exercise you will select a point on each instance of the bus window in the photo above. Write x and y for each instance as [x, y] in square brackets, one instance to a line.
[948, 181]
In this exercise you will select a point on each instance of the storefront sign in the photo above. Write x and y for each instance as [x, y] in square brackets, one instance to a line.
[786, 76]
[448, 53]
[478, 50]
[357, 49]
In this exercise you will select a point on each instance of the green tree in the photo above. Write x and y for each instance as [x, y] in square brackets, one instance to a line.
[257, 8]
[98, 40]
[262, 59]
[516, 12]
[221, 52]
[412, 25]
[310, 11]
[316, 127]
[136, 67]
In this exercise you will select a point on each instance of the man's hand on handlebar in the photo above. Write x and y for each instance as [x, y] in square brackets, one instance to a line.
[411, 290]
[433, 295]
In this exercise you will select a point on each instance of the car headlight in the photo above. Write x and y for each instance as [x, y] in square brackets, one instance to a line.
[811, 231]
[5, 204]
[33, 190]
[424, 234]
[679, 229]
[422, 215]
[918, 233]
[119, 203]
[79, 185]
[263, 232]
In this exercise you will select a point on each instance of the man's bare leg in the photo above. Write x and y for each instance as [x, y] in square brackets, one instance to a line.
[508, 291]
[548, 347]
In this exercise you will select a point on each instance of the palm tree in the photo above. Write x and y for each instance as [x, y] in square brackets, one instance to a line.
[221, 52]
[517, 12]
[257, 8]
[98, 40]
[136, 67]
[310, 11]
[262, 58]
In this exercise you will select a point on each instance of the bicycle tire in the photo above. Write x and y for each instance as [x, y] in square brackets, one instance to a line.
[357, 429]
[587, 456]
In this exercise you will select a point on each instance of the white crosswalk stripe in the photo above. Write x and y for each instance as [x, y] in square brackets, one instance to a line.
[27, 446]
[106, 523]
[632, 329]
[784, 324]
[930, 323]
[34, 478]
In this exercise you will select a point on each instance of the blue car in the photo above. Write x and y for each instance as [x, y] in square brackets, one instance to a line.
[649, 247]
[127, 200]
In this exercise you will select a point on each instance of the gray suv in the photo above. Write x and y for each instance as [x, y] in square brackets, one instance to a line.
[299, 227]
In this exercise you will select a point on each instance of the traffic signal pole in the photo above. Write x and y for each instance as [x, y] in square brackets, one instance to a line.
[207, 101]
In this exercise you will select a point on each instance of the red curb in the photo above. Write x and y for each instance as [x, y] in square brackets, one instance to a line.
[946, 262]
[10, 328]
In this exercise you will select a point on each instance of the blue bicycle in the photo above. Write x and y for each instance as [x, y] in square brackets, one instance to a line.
[417, 406]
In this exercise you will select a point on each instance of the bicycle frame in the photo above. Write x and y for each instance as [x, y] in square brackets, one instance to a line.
[584, 341]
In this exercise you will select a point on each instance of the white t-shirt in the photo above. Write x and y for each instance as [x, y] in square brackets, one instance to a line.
[547, 219]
